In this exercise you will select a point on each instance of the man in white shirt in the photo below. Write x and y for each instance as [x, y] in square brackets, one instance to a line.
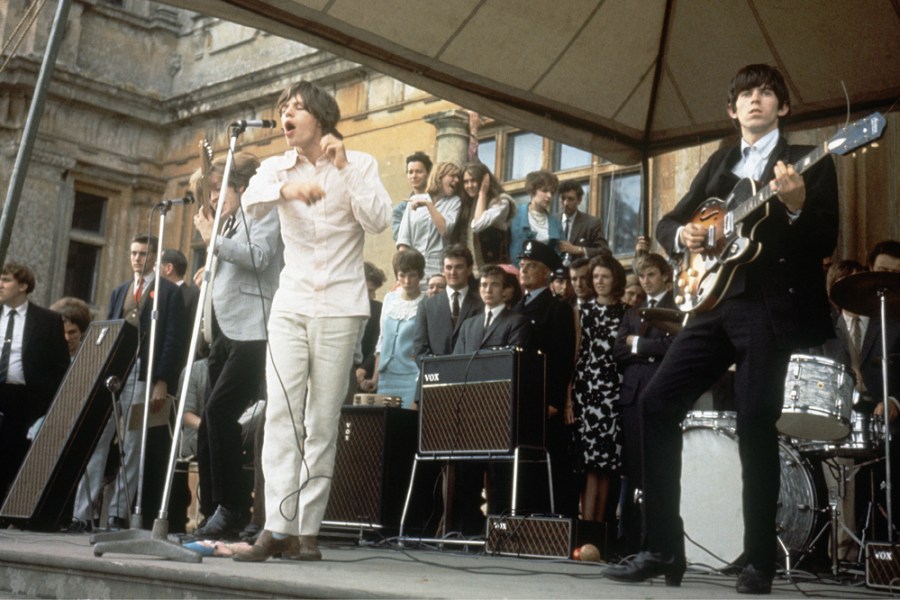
[33, 360]
[327, 199]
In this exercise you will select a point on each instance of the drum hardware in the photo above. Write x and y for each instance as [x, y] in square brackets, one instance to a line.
[871, 294]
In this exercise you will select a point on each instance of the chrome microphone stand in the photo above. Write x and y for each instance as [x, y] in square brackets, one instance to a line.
[127, 541]
[157, 542]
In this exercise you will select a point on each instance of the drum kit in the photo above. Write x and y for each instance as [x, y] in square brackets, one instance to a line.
[818, 427]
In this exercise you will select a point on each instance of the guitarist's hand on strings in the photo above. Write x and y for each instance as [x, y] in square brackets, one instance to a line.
[693, 237]
[788, 185]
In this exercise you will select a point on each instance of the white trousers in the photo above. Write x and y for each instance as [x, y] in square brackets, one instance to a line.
[306, 377]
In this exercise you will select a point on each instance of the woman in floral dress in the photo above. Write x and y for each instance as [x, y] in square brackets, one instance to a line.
[596, 388]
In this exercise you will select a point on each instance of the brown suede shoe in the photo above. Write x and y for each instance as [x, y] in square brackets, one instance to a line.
[307, 548]
[267, 546]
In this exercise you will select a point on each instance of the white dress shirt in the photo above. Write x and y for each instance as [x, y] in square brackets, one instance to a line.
[16, 372]
[323, 243]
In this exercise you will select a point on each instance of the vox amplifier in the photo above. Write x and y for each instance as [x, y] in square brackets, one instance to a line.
[883, 565]
[536, 537]
[489, 402]
[65, 442]
[374, 455]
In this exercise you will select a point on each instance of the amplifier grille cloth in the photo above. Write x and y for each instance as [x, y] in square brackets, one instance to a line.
[466, 418]
[356, 488]
[63, 417]
[529, 536]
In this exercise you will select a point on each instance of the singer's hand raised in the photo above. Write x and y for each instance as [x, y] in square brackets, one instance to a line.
[304, 191]
[334, 149]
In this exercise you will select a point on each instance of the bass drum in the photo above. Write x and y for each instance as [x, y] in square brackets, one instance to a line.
[711, 492]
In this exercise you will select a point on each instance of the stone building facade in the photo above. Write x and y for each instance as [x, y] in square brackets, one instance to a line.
[138, 85]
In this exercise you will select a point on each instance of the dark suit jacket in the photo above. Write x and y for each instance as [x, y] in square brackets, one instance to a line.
[837, 349]
[507, 329]
[587, 231]
[788, 273]
[191, 295]
[45, 357]
[170, 331]
[435, 332]
[553, 333]
[637, 369]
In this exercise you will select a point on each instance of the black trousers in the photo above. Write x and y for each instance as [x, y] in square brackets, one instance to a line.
[16, 416]
[236, 370]
[737, 331]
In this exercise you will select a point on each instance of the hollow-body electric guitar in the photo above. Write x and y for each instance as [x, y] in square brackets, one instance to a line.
[704, 277]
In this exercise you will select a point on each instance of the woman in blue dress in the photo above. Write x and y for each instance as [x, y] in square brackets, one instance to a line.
[396, 371]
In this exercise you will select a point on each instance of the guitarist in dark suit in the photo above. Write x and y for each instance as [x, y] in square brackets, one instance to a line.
[775, 304]
[638, 350]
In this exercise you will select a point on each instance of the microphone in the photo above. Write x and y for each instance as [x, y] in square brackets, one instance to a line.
[167, 204]
[263, 123]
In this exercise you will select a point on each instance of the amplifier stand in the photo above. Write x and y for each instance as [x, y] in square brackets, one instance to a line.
[515, 458]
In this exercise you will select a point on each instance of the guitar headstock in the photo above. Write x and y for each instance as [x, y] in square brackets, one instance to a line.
[206, 157]
[857, 134]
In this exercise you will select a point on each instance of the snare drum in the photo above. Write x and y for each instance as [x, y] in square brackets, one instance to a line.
[818, 398]
[711, 492]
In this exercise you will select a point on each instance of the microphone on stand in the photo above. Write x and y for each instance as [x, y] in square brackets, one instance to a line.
[263, 123]
[167, 204]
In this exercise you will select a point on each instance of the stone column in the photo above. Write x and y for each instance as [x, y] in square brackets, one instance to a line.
[452, 137]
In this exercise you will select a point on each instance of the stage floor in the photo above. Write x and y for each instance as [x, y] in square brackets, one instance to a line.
[39, 565]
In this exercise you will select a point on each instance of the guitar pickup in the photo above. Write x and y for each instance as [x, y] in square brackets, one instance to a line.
[711, 237]
[728, 224]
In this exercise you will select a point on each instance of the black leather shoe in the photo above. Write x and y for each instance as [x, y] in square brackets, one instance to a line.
[116, 524]
[754, 581]
[79, 526]
[224, 524]
[647, 565]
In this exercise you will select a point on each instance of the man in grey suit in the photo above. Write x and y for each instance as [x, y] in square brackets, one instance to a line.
[582, 233]
[249, 259]
[496, 326]
[440, 317]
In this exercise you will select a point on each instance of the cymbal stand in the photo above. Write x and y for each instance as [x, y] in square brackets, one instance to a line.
[882, 301]
[157, 543]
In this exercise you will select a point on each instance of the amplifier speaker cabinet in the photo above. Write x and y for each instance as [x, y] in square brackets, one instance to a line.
[490, 402]
[60, 451]
[883, 565]
[535, 537]
[374, 455]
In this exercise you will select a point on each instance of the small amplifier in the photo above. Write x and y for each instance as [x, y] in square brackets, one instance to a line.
[883, 565]
[534, 537]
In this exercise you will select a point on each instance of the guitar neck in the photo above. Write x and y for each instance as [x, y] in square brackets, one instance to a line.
[765, 192]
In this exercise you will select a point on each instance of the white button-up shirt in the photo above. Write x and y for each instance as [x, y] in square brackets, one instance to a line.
[323, 243]
[16, 372]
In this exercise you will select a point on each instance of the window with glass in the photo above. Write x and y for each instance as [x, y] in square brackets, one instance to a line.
[524, 154]
[567, 157]
[621, 202]
[86, 242]
[487, 153]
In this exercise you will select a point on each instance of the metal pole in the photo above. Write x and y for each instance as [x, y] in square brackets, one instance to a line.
[17, 181]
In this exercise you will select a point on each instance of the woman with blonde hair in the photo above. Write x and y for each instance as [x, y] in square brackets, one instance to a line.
[430, 218]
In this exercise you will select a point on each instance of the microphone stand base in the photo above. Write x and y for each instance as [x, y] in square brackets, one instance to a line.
[148, 543]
